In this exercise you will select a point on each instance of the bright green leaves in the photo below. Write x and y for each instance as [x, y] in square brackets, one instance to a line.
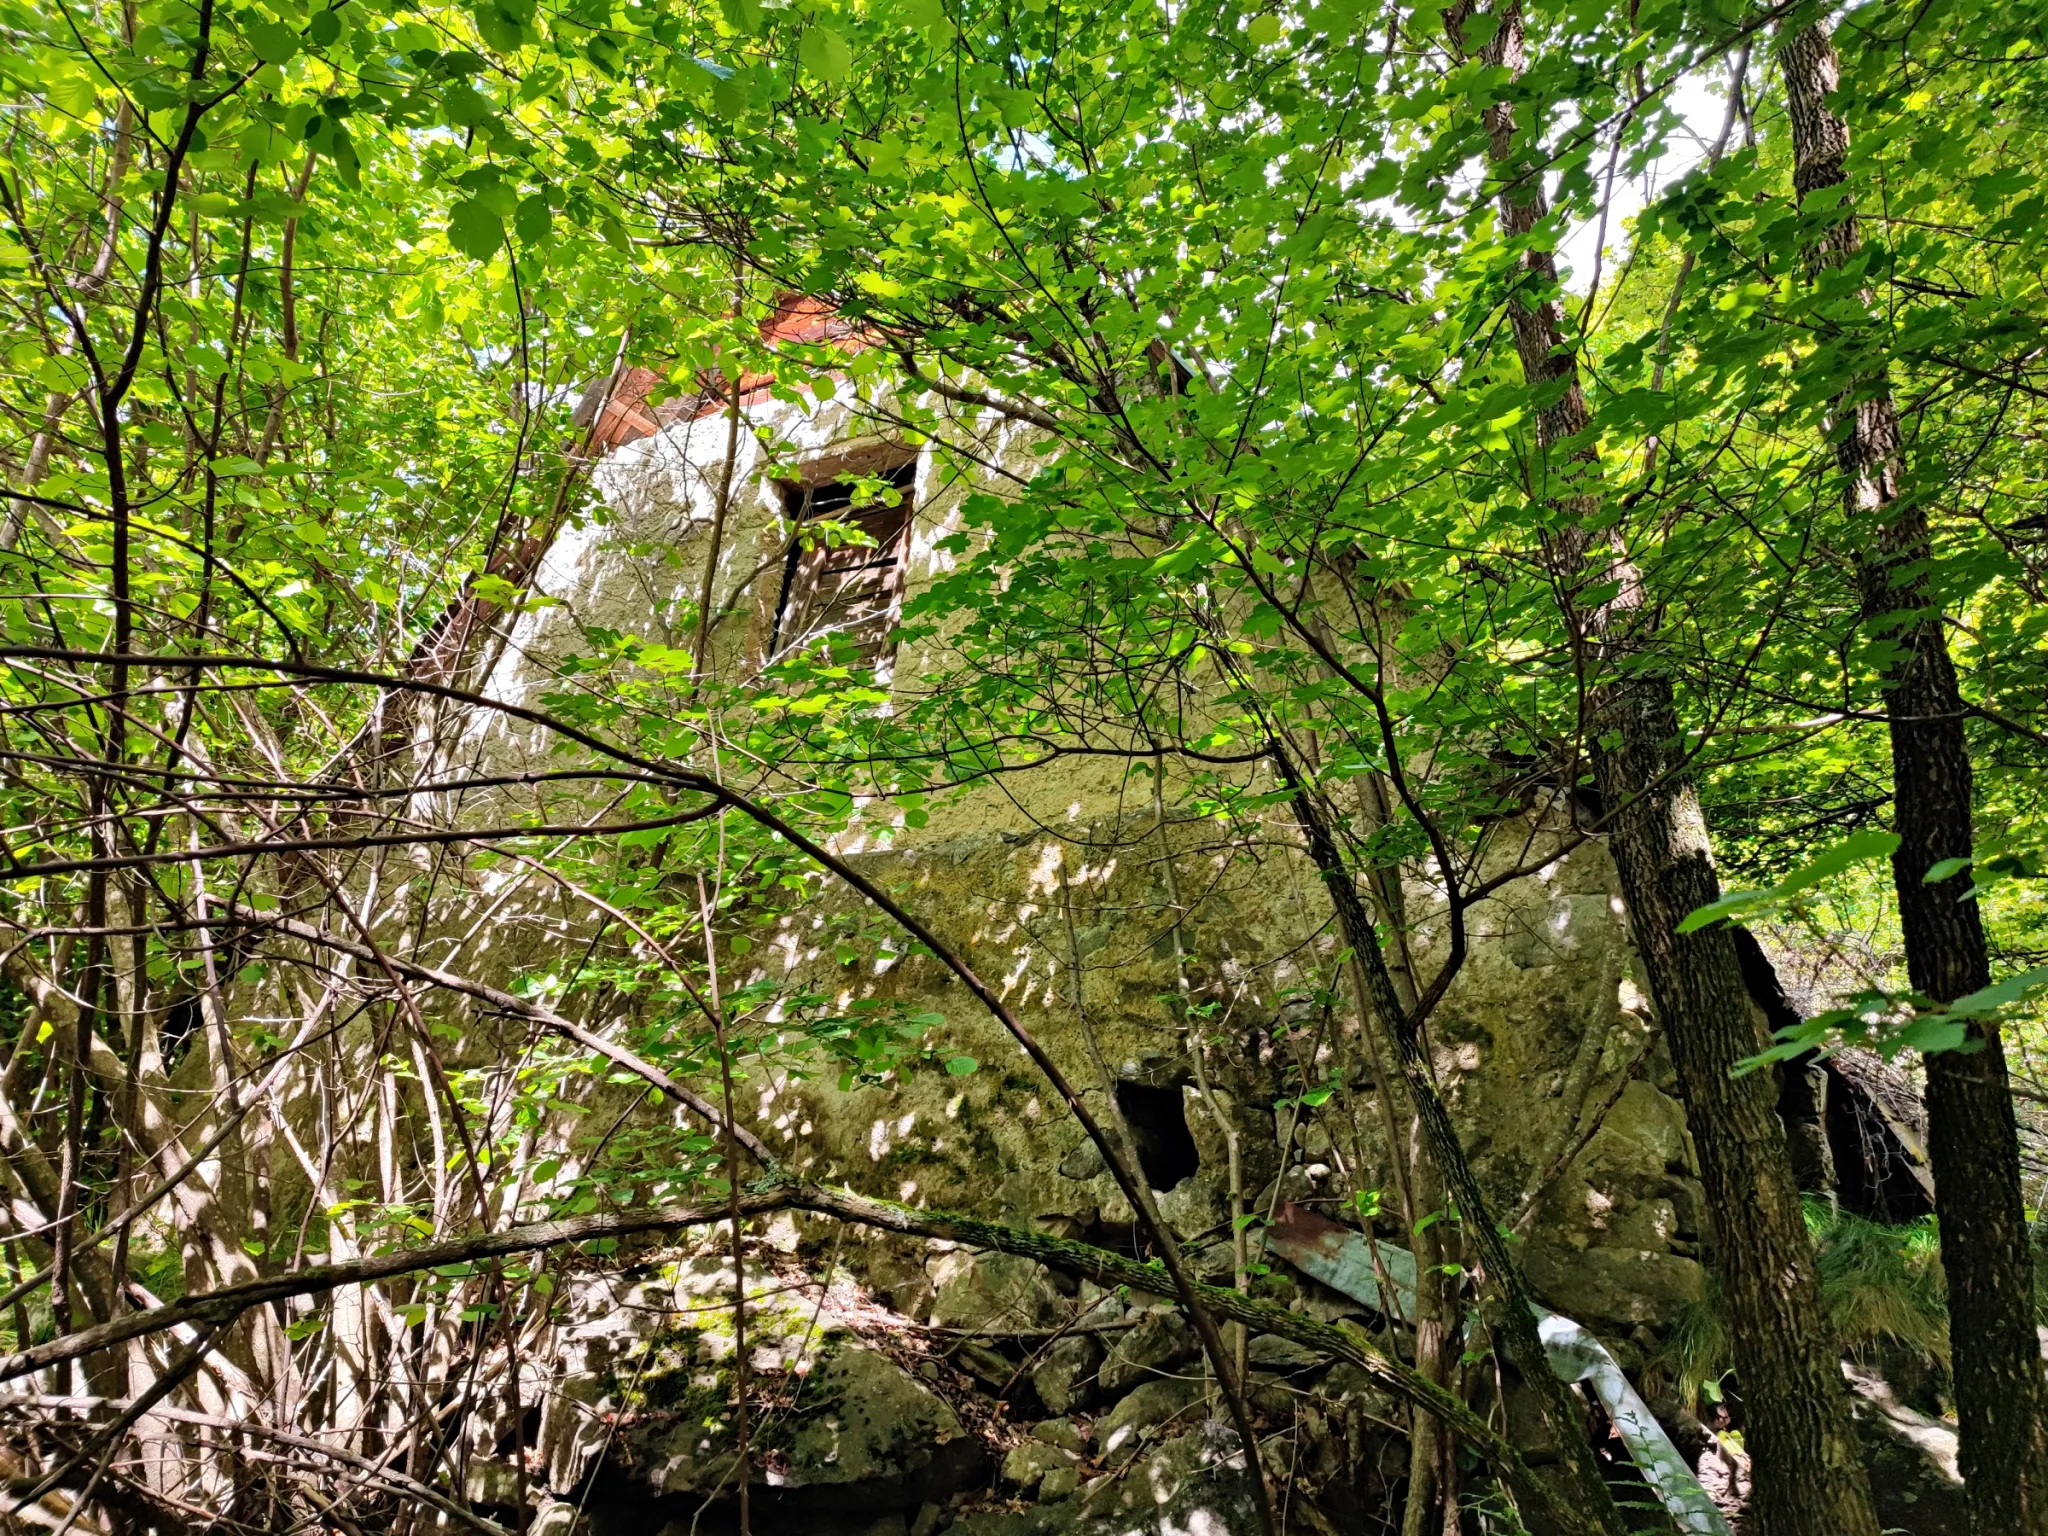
[1858, 849]
[70, 91]
[927, 16]
[476, 225]
[729, 97]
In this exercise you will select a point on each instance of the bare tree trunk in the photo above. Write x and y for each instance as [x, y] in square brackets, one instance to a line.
[1972, 1136]
[1809, 1472]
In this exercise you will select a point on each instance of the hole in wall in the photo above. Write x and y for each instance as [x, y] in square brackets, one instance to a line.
[1159, 1128]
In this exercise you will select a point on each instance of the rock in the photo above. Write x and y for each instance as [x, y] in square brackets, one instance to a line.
[879, 1422]
[1258, 1154]
[900, 1274]
[991, 1290]
[1065, 1378]
[1063, 1433]
[1101, 1305]
[866, 1421]
[1527, 1428]
[1058, 1483]
[559, 1517]
[1654, 1121]
[1350, 1385]
[1027, 1463]
[990, 1367]
[1084, 1162]
[1911, 1458]
[1161, 1341]
[1614, 1289]
[1192, 1207]
[1194, 1482]
[927, 1521]
[491, 1481]
[1268, 1399]
[1113, 1206]
[1155, 1403]
[1270, 1352]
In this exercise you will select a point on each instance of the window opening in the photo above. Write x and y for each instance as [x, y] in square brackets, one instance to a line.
[1158, 1120]
[847, 591]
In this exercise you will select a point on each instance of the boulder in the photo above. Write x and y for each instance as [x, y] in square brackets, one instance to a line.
[1120, 1431]
[1058, 1483]
[1083, 1163]
[1614, 1289]
[1193, 1482]
[1064, 1433]
[1193, 1207]
[877, 1422]
[1065, 1377]
[1160, 1341]
[1349, 1386]
[992, 1291]
[1270, 1352]
[1027, 1463]
[1911, 1458]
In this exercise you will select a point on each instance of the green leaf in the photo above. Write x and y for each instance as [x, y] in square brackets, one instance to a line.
[963, 1066]
[70, 93]
[499, 28]
[271, 41]
[1263, 30]
[534, 219]
[825, 54]
[729, 98]
[2000, 994]
[474, 230]
[61, 375]
[1943, 870]
[1859, 849]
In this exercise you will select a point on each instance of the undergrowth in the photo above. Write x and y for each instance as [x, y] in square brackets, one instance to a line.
[1881, 1287]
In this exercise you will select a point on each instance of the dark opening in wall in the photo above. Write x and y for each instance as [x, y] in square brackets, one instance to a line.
[1159, 1126]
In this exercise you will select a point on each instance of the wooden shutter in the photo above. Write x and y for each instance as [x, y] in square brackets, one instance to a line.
[849, 592]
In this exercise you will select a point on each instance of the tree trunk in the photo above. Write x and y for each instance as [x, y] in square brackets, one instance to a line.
[1809, 1476]
[1506, 1303]
[1972, 1137]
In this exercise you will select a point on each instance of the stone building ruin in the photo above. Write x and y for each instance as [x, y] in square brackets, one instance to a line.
[1094, 908]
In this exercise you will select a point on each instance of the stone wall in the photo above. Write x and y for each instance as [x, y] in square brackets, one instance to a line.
[1543, 1037]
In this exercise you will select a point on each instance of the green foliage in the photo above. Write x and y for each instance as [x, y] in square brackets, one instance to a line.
[1210, 305]
[1882, 1290]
